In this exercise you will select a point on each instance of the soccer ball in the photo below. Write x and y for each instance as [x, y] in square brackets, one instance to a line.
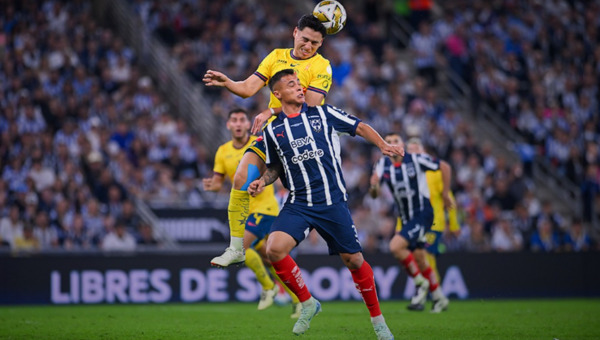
[331, 14]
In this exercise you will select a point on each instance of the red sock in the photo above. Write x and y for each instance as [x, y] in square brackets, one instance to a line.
[410, 265]
[365, 283]
[432, 278]
[289, 273]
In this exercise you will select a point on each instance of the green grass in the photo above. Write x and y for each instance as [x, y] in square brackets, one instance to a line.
[477, 319]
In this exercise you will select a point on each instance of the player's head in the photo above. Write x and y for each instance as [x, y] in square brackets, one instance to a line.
[394, 139]
[415, 145]
[308, 36]
[238, 123]
[286, 87]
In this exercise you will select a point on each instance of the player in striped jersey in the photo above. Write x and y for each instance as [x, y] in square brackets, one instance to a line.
[406, 179]
[442, 216]
[314, 72]
[302, 146]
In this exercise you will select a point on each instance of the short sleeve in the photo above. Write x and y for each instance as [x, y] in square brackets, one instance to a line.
[321, 80]
[340, 120]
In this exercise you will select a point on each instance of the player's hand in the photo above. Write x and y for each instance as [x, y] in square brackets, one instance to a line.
[259, 121]
[256, 187]
[208, 184]
[392, 150]
[448, 201]
[214, 78]
[374, 181]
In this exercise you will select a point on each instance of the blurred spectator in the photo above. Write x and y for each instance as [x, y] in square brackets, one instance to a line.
[26, 242]
[11, 227]
[119, 239]
[577, 238]
[545, 239]
[475, 239]
[505, 237]
[45, 232]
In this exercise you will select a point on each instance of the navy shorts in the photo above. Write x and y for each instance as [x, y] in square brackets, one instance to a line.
[259, 225]
[334, 223]
[414, 230]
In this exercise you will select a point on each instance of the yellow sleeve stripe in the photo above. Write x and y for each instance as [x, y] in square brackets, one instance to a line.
[258, 152]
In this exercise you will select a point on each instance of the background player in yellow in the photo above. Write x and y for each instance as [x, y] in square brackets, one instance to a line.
[314, 73]
[263, 207]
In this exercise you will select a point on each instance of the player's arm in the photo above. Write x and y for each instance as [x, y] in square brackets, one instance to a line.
[214, 183]
[367, 132]
[374, 188]
[269, 177]
[446, 177]
[244, 89]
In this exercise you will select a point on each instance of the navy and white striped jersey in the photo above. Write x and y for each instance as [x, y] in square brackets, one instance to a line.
[407, 182]
[308, 148]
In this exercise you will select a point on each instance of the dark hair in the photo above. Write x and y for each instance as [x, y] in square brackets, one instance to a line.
[309, 20]
[277, 77]
[238, 110]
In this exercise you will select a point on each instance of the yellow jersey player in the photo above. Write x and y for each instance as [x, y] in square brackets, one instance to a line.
[314, 73]
[263, 208]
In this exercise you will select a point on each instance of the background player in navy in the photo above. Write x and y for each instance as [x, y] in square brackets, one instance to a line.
[405, 177]
[302, 145]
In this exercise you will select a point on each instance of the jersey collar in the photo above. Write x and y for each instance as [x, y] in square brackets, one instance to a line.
[293, 115]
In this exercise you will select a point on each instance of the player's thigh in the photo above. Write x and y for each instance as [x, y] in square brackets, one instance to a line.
[250, 168]
[336, 227]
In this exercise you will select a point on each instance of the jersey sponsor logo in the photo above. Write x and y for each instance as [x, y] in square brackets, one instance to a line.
[296, 143]
[410, 170]
[306, 155]
[316, 125]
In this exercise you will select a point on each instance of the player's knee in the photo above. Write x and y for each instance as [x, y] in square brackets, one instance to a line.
[397, 245]
[353, 261]
[275, 253]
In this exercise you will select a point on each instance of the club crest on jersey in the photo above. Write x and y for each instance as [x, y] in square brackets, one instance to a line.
[316, 125]
[410, 171]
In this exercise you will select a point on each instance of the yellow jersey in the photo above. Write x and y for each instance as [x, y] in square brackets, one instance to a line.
[436, 187]
[226, 162]
[314, 73]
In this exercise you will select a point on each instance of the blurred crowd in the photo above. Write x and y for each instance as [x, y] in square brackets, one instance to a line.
[82, 134]
[498, 208]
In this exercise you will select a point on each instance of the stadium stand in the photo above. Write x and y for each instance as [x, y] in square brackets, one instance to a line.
[85, 133]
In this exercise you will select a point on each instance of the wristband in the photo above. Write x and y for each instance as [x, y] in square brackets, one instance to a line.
[272, 111]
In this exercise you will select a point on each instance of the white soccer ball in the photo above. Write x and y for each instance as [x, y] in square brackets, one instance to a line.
[331, 14]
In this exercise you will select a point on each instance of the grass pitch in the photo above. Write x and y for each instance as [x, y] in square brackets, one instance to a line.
[476, 319]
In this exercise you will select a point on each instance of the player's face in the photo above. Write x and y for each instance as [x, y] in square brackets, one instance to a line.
[289, 90]
[394, 140]
[414, 148]
[306, 42]
[238, 124]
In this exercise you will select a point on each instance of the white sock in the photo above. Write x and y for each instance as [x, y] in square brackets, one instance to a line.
[309, 302]
[437, 294]
[377, 319]
[236, 243]
[419, 279]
